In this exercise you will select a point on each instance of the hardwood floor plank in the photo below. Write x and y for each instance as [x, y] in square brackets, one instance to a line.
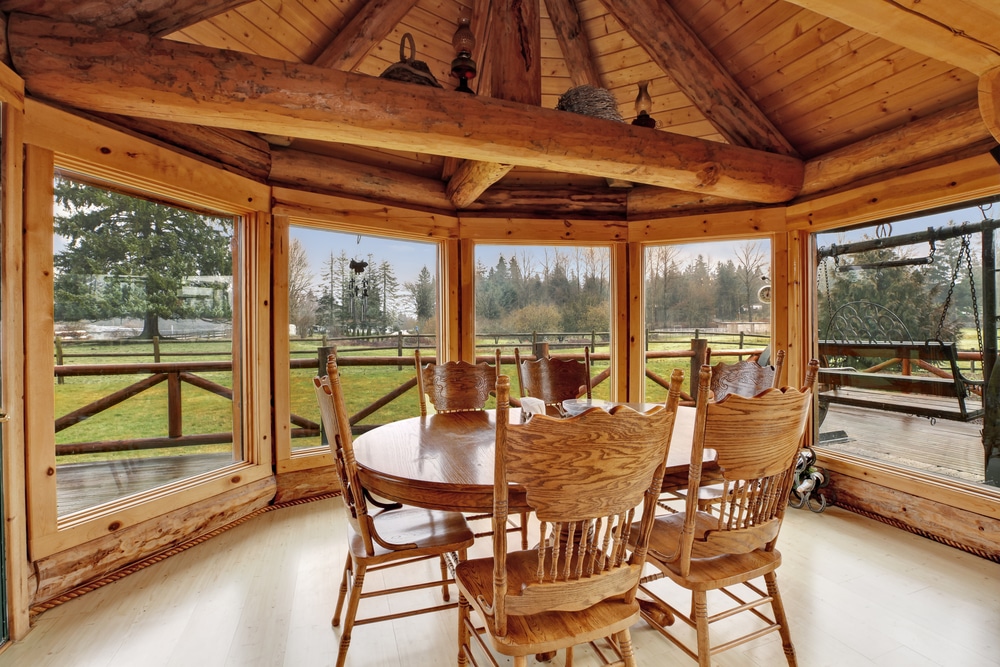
[858, 594]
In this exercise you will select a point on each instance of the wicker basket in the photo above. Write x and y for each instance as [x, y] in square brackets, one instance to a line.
[590, 100]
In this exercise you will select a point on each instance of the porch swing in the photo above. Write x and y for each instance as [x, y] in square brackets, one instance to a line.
[867, 332]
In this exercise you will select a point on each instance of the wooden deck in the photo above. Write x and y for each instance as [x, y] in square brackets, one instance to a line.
[952, 449]
[83, 485]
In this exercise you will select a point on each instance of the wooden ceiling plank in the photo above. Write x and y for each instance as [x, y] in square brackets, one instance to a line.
[810, 68]
[300, 18]
[573, 42]
[757, 63]
[905, 91]
[131, 74]
[272, 24]
[679, 52]
[952, 31]
[370, 25]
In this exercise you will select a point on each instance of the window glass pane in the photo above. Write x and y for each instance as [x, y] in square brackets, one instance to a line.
[554, 296]
[717, 293]
[144, 348]
[370, 297]
[919, 282]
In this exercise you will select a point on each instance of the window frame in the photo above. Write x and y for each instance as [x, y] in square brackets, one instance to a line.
[55, 139]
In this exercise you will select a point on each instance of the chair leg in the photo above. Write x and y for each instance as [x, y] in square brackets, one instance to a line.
[444, 578]
[343, 590]
[569, 656]
[700, 605]
[524, 531]
[520, 661]
[624, 640]
[464, 638]
[352, 612]
[778, 607]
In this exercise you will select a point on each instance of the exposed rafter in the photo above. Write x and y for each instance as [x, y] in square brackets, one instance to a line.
[573, 42]
[369, 26]
[154, 17]
[661, 32]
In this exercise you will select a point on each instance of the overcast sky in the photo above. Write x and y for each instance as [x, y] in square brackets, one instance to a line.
[408, 257]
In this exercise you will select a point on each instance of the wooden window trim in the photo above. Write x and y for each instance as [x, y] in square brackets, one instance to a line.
[57, 139]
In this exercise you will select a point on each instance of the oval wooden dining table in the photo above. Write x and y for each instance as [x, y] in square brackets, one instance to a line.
[445, 461]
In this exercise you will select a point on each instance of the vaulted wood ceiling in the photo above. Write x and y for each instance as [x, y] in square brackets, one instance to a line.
[757, 101]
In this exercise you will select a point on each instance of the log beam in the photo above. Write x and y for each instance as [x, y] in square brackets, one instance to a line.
[329, 175]
[234, 150]
[672, 45]
[989, 101]
[963, 33]
[113, 71]
[472, 178]
[941, 134]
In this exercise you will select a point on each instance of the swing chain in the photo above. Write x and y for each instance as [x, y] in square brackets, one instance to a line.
[951, 287]
[972, 288]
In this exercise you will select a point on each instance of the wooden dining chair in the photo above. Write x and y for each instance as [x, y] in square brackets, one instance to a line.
[756, 441]
[458, 386]
[384, 539]
[455, 386]
[553, 380]
[745, 378]
[585, 478]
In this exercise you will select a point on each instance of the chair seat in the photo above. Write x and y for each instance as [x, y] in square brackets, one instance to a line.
[545, 631]
[432, 531]
[706, 573]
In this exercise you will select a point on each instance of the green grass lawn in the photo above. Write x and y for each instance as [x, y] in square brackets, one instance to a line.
[145, 415]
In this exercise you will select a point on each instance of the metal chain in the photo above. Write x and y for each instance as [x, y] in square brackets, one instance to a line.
[972, 287]
[951, 287]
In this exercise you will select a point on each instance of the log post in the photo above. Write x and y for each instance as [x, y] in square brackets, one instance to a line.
[698, 348]
[175, 419]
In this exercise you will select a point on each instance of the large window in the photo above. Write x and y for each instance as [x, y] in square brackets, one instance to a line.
[906, 324]
[375, 300]
[532, 297]
[716, 293]
[144, 347]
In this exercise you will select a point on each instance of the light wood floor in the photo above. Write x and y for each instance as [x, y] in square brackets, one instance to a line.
[858, 593]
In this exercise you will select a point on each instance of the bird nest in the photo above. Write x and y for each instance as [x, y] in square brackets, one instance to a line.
[590, 100]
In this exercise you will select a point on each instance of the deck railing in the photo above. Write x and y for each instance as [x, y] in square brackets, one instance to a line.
[177, 373]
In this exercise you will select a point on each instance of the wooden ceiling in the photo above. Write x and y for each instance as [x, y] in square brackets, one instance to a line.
[757, 101]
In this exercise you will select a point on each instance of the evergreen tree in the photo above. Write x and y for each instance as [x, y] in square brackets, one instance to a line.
[130, 257]
[422, 292]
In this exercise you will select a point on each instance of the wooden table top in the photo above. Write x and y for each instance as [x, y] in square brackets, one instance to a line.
[445, 461]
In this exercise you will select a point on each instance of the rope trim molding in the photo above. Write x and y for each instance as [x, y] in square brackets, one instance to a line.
[166, 553]
[991, 556]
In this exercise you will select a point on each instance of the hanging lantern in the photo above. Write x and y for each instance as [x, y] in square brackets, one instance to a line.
[463, 67]
[643, 105]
